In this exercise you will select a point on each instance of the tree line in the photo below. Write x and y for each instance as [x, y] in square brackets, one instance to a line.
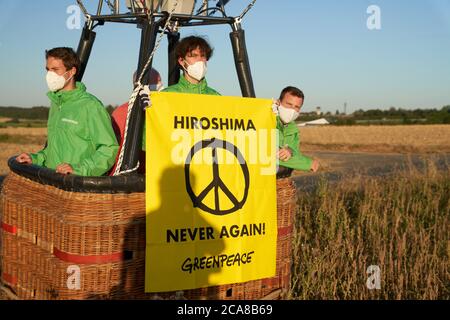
[34, 113]
[390, 116]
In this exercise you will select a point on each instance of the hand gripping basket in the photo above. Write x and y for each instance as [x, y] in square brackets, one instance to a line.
[52, 224]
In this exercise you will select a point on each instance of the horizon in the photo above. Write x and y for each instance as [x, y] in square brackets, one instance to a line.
[324, 113]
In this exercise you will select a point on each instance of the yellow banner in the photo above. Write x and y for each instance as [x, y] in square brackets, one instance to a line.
[211, 191]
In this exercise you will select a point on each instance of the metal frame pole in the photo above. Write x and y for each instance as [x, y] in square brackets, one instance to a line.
[85, 45]
[241, 60]
[174, 69]
[133, 144]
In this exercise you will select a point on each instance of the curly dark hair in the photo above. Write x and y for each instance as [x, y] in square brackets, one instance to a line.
[190, 43]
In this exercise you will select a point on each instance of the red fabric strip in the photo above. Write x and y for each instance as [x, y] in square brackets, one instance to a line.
[272, 282]
[9, 228]
[9, 279]
[74, 258]
[284, 231]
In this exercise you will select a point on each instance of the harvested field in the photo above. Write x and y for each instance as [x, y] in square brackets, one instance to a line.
[398, 139]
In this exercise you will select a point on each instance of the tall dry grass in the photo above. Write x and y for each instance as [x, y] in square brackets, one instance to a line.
[400, 224]
[414, 138]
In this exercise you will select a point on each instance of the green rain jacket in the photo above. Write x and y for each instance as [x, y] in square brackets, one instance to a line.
[79, 133]
[288, 135]
[184, 86]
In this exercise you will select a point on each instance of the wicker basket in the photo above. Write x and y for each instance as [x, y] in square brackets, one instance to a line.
[46, 230]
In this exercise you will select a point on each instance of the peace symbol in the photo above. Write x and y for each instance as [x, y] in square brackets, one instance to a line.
[217, 182]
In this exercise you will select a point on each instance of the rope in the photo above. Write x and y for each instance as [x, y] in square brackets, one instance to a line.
[139, 85]
[111, 6]
[134, 95]
[83, 8]
[121, 154]
[247, 9]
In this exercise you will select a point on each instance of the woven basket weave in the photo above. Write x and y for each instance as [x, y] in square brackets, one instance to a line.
[45, 231]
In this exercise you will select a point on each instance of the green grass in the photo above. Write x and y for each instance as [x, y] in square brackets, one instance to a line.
[20, 139]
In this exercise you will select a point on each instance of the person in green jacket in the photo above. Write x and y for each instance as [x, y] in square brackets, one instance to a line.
[287, 109]
[192, 53]
[80, 138]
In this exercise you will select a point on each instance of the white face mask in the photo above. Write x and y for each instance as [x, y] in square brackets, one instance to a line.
[197, 70]
[56, 82]
[287, 115]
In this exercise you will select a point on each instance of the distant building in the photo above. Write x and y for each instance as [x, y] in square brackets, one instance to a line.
[319, 111]
[318, 122]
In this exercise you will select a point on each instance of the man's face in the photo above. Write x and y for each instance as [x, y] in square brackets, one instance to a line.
[292, 102]
[56, 65]
[193, 57]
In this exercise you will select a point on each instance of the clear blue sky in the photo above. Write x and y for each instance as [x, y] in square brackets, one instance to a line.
[323, 46]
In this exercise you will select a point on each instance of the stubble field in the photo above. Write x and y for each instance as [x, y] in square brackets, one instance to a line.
[403, 139]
